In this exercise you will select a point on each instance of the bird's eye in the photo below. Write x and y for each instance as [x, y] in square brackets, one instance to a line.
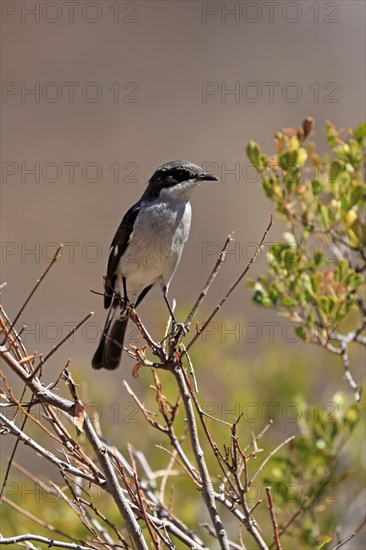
[182, 175]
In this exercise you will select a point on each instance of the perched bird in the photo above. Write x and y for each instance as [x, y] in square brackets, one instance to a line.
[146, 250]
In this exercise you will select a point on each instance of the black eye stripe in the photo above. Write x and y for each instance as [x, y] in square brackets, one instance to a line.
[178, 176]
[183, 175]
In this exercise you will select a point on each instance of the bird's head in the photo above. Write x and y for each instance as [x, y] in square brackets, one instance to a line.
[176, 179]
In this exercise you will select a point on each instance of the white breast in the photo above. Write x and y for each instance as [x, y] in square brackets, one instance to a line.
[160, 231]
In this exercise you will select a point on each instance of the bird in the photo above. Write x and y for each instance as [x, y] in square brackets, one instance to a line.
[146, 251]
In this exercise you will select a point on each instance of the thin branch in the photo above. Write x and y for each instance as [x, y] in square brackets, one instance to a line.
[168, 472]
[276, 534]
[60, 343]
[212, 533]
[343, 352]
[16, 334]
[348, 374]
[154, 346]
[26, 410]
[28, 515]
[50, 542]
[210, 280]
[191, 542]
[43, 394]
[268, 458]
[114, 488]
[165, 518]
[343, 542]
[106, 520]
[144, 513]
[233, 286]
[61, 464]
[53, 261]
[75, 506]
[245, 518]
[46, 396]
[290, 522]
[11, 458]
[182, 465]
[207, 487]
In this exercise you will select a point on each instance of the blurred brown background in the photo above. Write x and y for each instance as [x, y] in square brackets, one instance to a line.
[121, 87]
[96, 95]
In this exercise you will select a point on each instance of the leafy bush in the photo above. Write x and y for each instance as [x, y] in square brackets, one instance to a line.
[316, 275]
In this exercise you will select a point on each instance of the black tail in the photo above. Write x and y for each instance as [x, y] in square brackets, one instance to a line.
[109, 351]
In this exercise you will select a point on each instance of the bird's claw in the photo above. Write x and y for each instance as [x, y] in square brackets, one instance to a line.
[179, 328]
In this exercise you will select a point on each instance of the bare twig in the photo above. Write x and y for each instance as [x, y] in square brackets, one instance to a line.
[245, 518]
[290, 522]
[17, 338]
[45, 540]
[268, 458]
[276, 535]
[233, 286]
[212, 533]
[207, 488]
[54, 259]
[135, 491]
[113, 487]
[343, 352]
[12, 455]
[348, 374]
[351, 536]
[155, 347]
[28, 515]
[61, 464]
[60, 343]
[210, 280]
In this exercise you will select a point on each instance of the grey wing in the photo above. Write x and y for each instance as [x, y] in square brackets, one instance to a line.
[117, 249]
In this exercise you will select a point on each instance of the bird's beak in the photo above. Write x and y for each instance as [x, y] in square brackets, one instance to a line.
[208, 177]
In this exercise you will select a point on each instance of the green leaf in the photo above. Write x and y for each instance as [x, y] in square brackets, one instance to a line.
[326, 539]
[289, 302]
[319, 259]
[354, 281]
[301, 157]
[352, 416]
[335, 169]
[250, 283]
[299, 330]
[341, 312]
[360, 132]
[317, 187]
[310, 320]
[358, 195]
[352, 237]
[267, 184]
[290, 256]
[342, 269]
[324, 304]
[317, 281]
[331, 134]
[288, 159]
[260, 296]
[255, 155]
[355, 154]
[324, 215]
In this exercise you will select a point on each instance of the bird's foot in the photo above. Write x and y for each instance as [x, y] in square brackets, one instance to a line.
[178, 329]
[125, 303]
